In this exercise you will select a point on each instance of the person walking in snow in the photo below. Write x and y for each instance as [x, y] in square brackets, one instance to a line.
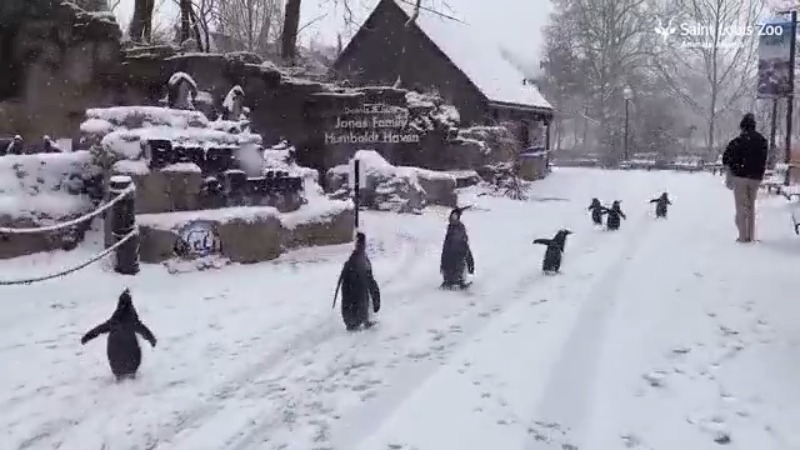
[745, 160]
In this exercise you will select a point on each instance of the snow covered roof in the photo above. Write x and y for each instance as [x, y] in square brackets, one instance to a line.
[479, 58]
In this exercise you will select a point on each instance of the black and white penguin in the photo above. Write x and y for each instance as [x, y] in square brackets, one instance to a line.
[661, 205]
[614, 214]
[359, 288]
[555, 250]
[456, 260]
[124, 354]
[597, 211]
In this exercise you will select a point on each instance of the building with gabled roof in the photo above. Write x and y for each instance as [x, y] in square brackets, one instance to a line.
[450, 57]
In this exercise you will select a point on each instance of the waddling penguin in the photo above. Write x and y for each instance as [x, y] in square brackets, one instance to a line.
[555, 249]
[358, 288]
[597, 211]
[661, 205]
[456, 260]
[614, 214]
[124, 354]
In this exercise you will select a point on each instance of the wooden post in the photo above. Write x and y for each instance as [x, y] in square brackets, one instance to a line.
[123, 222]
[790, 98]
[356, 188]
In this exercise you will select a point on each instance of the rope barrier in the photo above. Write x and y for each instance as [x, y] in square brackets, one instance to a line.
[91, 260]
[73, 222]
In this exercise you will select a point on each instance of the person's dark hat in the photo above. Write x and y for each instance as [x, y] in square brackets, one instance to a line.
[748, 122]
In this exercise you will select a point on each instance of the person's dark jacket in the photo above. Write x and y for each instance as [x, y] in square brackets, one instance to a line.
[746, 155]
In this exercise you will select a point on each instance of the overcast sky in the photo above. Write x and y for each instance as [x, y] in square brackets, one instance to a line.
[516, 23]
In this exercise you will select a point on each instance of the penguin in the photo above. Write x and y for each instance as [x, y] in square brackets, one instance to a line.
[555, 250]
[661, 205]
[456, 259]
[359, 288]
[124, 354]
[597, 211]
[614, 214]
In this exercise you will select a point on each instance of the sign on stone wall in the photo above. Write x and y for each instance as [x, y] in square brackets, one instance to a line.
[197, 239]
[371, 124]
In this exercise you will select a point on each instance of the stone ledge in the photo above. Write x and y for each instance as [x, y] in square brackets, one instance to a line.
[250, 234]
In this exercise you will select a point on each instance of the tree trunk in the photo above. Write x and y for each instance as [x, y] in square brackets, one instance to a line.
[186, 18]
[291, 25]
[137, 22]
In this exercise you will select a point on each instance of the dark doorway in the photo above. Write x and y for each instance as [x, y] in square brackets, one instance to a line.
[10, 69]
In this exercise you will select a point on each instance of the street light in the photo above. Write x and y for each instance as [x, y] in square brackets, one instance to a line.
[628, 95]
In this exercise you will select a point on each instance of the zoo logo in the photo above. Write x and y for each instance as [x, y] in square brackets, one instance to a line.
[197, 239]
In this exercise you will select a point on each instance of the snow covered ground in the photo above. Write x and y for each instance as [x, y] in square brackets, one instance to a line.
[664, 335]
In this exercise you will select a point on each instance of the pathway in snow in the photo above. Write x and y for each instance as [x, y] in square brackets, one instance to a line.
[673, 345]
[252, 357]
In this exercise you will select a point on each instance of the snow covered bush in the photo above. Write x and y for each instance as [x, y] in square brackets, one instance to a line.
[491, 139]
[428, 112]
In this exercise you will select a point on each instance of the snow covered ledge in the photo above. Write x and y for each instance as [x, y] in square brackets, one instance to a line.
[251, 234]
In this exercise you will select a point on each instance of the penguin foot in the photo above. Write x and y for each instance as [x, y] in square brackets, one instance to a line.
[369, 324]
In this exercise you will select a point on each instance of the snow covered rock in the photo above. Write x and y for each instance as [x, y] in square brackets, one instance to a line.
[118, 132]
[329, 222]
[43, 189]
[174, 188]
[391, 188]
[439, 187]
[182, 90]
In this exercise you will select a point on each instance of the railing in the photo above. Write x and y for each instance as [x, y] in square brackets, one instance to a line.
[124, 230]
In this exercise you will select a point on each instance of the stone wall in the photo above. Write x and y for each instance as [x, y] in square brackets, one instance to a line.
[251, 234]
[59, 64]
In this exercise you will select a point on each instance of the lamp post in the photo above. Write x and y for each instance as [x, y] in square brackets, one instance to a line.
[628, 95]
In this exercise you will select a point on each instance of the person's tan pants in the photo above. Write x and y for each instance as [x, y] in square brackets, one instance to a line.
[745, 192]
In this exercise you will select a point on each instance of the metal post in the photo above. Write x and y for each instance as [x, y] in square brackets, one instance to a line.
[123, 222]
[627, 103]
[790, 97]
[772, 131]
[357, 188]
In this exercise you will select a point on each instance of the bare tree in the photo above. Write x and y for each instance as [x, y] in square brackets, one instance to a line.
[254, 24]
[610, 40]
[712, 67]
[291, 26]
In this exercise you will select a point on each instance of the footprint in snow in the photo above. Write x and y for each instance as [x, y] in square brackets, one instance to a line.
[656, 378]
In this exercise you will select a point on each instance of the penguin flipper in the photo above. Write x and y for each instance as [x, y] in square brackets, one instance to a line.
[145, 333]
[374, 293]
[546, 242]
[103, 328]
[339, 284]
